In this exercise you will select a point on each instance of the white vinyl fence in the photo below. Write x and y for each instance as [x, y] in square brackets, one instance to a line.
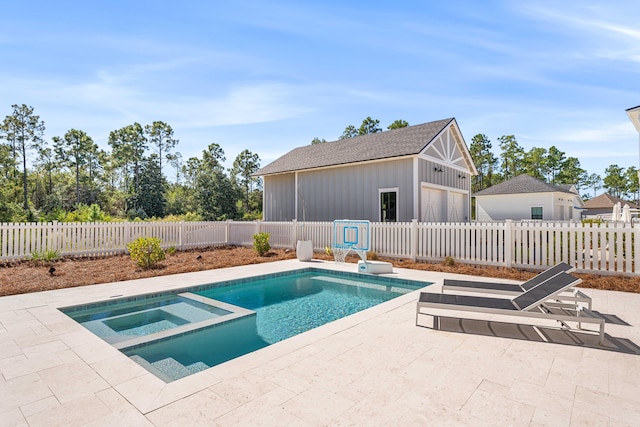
[601, 248]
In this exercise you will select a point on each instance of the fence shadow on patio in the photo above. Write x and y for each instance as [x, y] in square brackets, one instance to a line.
[538, 334]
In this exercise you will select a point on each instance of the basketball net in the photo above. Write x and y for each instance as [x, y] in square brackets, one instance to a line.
[339, 254]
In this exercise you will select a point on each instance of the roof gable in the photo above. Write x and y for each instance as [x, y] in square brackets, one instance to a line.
[449, 149]
[410, 140]
[522, 184]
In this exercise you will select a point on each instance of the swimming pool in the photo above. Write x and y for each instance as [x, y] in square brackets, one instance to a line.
[175, 334]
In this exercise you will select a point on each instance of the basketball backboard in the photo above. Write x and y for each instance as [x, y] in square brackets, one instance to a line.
[352, 234]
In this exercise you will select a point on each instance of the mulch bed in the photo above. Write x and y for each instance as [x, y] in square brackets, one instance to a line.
[34, 276]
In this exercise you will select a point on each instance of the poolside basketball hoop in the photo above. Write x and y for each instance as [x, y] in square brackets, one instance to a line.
[350, 235]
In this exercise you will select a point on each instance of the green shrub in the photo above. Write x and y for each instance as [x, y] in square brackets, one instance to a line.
[47, 256]
[136, 214]
[84, 213]
[261, 243]
[449, 262]
[189, 216]
[171, 250]
[146, 251]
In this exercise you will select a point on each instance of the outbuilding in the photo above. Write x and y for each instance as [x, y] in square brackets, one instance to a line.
[526, 197]
[418, 172]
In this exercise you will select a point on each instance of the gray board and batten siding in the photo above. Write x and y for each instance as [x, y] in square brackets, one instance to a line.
[352, 192]
[343, 179]
[279, 197]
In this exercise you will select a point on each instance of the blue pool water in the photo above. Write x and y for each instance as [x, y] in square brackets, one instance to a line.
[238, 316]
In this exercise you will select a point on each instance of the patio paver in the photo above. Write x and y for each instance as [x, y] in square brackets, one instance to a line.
[373, 368]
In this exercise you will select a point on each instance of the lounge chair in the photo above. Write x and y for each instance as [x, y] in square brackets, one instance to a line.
[532, 304]
[573, 295]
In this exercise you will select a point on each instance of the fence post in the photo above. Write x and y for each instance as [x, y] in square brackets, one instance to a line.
[295, 233]
[127, 236]
[54, 237]
[414, 239]
[180, 231]
[508, 242]
[636, 247]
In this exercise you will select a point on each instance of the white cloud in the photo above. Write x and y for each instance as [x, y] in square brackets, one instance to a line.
[609, 32]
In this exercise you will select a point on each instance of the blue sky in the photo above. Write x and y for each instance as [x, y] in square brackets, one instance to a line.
[269, 76]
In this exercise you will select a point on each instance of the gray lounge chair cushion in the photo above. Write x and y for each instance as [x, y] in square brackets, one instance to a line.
[561, 267]
[527, 300]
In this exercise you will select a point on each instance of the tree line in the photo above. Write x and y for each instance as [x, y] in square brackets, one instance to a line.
[71, 178]
[550, 165]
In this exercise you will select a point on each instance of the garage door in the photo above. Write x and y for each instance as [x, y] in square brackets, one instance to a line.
[456, 208]
[432, 205]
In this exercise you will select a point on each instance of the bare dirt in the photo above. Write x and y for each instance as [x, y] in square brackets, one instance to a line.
[34, 276]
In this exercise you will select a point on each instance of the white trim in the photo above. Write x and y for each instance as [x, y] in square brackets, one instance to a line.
[440, 162]
[452, 127]
[442, 187]
[464, 149]
[295, 196]
[388, 190]
[416, 187]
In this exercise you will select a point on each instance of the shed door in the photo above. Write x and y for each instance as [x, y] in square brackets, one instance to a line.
[456, 207]
[432, 204]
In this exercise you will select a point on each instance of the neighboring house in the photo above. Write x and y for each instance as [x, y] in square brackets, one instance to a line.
[602, 206]
[526, 197]
[418, 172]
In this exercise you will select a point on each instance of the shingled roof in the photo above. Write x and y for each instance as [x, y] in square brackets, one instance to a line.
[522, 184]
[606, 201]
[410, 140]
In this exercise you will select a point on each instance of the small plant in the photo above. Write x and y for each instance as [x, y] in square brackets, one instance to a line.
[372, 255]
[328, 250]
[592, 221]
[261, 243]
[46, 256]
[449, 262]
[146, 252]
[171, 250]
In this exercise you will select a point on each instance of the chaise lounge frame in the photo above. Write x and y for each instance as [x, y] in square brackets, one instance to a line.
[572, 295]
[532, 304]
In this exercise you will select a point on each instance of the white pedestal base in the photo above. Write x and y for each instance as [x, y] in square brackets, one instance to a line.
[375, 267]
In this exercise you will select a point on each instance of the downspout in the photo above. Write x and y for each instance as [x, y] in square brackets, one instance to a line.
[416, 187]
[295, 197]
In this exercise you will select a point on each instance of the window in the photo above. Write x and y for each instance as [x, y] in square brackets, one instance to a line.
[536, 212]
[388, 206]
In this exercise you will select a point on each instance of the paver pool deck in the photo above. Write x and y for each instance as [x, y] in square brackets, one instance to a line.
[372, 368]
